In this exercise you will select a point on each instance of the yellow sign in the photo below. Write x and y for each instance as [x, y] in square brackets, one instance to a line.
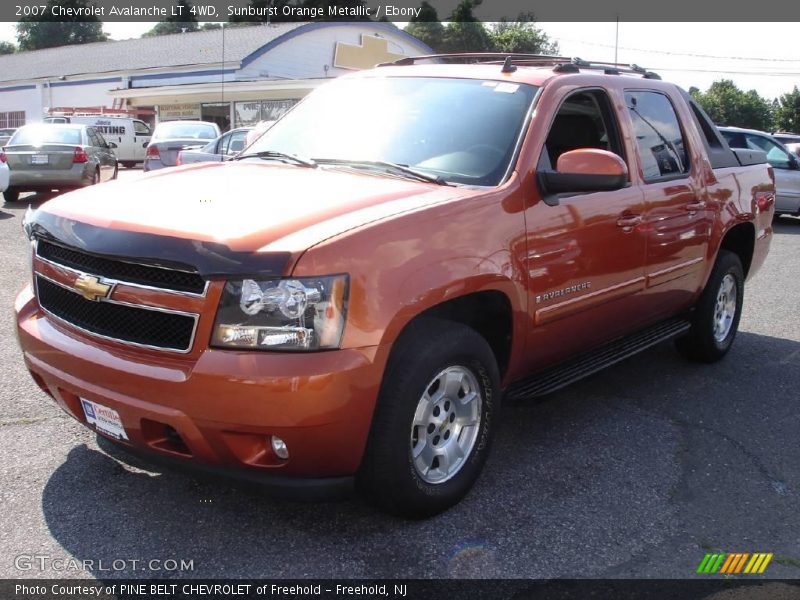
[91, 288]
[372, 51]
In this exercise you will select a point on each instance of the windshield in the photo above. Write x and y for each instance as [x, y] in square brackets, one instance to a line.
[462, 130]
[37, 136]
[188, 131]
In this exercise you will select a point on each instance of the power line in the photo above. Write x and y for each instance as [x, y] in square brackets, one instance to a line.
[670, 53]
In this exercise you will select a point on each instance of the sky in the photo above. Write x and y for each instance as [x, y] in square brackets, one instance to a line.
[689, 54]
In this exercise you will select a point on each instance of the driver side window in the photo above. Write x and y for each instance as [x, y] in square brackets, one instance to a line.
[584, 120]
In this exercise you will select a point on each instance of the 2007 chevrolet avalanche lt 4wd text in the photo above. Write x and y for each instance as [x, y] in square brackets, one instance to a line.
[350, 298]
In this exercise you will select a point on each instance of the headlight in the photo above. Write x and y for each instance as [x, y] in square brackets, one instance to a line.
[282, 314]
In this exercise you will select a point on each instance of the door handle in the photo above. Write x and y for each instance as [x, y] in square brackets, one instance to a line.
[695, 205]
[628, 221]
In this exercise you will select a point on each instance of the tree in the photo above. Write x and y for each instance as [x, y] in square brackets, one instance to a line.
[522, 36]
[182, 22]
[787, 111]
[726, 104]
[465, 33]
[7, 48]
[34, 33]
[426, 26]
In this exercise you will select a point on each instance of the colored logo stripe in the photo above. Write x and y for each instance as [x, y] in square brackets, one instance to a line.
[734, 563]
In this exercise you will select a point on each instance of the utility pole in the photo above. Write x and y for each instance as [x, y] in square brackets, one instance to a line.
[616, 40]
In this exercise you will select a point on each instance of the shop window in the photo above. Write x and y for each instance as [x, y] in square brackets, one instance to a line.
[12, 120]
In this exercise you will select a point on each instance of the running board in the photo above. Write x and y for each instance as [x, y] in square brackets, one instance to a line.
[561, 375]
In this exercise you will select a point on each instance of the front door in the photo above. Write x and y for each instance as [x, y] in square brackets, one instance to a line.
[585, 252]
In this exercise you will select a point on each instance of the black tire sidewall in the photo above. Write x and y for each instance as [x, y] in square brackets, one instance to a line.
[701, 344]
[388, 474]
[11, 195]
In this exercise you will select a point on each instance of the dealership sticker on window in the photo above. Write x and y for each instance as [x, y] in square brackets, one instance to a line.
[105, 419]
[506, 88]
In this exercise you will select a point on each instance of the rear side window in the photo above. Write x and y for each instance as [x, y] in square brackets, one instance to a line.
[661, 144]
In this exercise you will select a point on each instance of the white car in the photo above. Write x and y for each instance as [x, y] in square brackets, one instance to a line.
[4, 172]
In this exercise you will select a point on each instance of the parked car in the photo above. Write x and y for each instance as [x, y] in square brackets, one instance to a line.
[4, 171]
[785, 137]
[44, 157]
[130, 135]
[782, 160]
[171, 137]
[351, 298]
[226, 145]
[5, 135]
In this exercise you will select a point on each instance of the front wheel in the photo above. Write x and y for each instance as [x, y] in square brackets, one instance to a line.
[434, 420]
[11, 195]
[716, 316]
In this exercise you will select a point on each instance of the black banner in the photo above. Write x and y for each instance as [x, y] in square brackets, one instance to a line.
[221, 11]
[562, 589]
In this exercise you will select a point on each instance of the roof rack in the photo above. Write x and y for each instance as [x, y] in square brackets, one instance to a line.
[510, 61]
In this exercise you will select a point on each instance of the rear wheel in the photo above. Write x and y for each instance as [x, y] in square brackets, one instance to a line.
[128, 164]
[11, 195]
[716, 316]
[434, 420]
[96, 176]
[116, 171]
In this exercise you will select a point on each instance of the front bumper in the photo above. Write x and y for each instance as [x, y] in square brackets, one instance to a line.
[219, 409]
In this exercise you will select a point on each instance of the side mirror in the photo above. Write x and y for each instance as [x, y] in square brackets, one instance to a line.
[585, 170]
[793, 163]
[111, 145]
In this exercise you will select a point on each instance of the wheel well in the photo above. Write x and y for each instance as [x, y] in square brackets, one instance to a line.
[740, 240]
[488, 313]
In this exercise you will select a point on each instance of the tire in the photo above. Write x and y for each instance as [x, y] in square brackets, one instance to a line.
[95, 177]
[128, 164]
[716, 316]
[116, 172]
[428, 355]
[11, 195]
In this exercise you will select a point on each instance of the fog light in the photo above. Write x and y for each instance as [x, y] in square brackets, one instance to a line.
[279, 447]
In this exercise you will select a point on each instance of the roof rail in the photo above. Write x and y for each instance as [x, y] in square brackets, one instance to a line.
[561, 64]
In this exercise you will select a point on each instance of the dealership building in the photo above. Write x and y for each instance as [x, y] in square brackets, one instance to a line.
[233, 76]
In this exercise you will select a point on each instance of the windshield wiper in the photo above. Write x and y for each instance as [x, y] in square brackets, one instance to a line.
[390, 167]
[298, 160]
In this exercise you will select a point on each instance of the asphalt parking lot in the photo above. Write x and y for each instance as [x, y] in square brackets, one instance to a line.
[635, 472]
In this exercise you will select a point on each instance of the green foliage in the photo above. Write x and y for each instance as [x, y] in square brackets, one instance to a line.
[426, 27]
[726, 104]
[34, 33]
[787, 111]
[464, 33]
[7, 48]
[180, 23]
[522, 36]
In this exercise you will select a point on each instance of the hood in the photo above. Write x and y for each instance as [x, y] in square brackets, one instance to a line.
[243, 208]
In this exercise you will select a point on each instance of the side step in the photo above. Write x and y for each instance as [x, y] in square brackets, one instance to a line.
[561, 375]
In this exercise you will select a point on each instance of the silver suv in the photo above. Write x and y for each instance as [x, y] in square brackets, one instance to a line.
[783, 162]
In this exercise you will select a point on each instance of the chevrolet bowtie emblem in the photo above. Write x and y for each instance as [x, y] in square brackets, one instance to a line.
[92, 288]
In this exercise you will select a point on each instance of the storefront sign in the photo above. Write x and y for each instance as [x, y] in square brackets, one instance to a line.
[174, 112]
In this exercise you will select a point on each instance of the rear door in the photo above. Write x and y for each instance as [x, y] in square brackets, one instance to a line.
[678, 220]
[141, 137]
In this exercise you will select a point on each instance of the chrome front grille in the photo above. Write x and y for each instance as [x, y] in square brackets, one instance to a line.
[136, 323]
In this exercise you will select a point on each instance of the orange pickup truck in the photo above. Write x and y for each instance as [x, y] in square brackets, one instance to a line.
[348, 300]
